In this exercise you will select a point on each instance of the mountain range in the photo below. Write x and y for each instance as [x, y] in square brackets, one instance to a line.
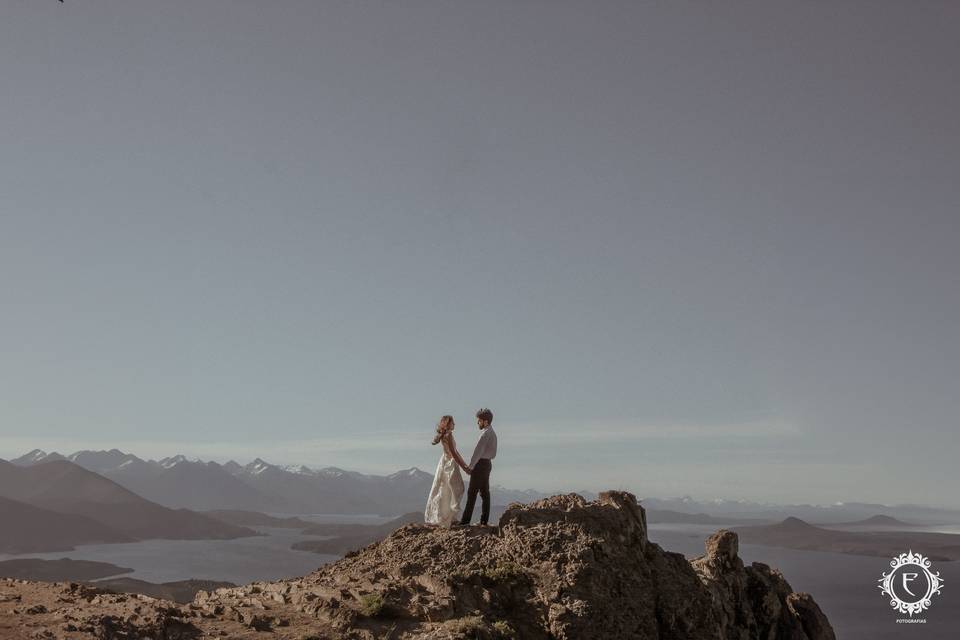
[179, 482]
[58, 504]
[794, 533]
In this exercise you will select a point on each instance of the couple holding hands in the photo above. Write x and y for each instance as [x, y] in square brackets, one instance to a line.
[443, 503]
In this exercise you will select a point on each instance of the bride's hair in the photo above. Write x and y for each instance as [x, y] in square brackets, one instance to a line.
[443, 428]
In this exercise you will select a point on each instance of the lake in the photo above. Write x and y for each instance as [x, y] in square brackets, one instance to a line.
[845, 586]
[267, 557]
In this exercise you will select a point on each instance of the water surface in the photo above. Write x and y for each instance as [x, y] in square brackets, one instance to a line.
[844, 585]
[267, 557]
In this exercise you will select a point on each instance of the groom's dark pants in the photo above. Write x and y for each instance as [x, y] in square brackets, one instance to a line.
[479, 483]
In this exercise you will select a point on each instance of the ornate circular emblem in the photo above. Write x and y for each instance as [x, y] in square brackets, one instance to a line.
[910, 583]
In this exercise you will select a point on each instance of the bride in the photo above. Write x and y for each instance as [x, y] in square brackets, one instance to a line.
[447, 490]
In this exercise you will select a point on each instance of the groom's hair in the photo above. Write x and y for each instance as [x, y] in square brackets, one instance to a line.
[485, 414]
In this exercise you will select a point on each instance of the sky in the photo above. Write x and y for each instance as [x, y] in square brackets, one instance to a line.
[680, 249]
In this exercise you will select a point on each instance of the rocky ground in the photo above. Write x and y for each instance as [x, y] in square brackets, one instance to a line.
[561, 568]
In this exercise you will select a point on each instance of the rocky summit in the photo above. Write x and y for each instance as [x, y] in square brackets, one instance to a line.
[561, 568]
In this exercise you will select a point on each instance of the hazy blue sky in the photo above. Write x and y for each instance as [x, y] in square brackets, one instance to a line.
[709, 249]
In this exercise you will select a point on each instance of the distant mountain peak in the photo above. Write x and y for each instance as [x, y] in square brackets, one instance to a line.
[409, 477]
[300, 469]
[232, 466]
[168, 463]
[795, 523]
[258, 466]
[183, 481]
[36, 456]
[411, 472]
[883, 520]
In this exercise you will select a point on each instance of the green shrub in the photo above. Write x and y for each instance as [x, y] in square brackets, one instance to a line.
[468, 625]
[505, 572]
[372, 605]
[476, 628]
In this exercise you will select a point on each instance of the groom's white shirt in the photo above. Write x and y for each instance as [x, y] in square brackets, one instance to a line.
[486, 447]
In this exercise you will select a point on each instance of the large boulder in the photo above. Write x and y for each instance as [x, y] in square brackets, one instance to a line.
[561, 568]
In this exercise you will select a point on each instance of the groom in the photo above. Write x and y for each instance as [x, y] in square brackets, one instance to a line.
[480, 467]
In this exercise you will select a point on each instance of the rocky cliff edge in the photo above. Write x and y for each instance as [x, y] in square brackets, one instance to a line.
[561, 568]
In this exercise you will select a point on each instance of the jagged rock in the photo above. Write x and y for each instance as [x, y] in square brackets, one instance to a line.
[562, 568]
[255, 621]
[812, 619]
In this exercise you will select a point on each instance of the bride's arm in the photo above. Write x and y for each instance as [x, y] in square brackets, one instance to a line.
[452, 449]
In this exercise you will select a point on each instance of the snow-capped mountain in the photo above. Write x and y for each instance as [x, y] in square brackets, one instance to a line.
[173, 482]
[406, 474]
[258, 466]
[232, 467]
[37, 455]
[173, 461]
[178, 481]
[100, 461]
[302, 489]
[299, 468]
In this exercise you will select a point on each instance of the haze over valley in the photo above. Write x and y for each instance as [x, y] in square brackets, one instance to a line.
[172, 527]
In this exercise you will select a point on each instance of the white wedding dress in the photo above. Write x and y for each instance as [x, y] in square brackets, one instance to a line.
[443, 504]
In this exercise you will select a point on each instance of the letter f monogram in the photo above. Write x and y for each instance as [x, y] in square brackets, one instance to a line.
[906, 578]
